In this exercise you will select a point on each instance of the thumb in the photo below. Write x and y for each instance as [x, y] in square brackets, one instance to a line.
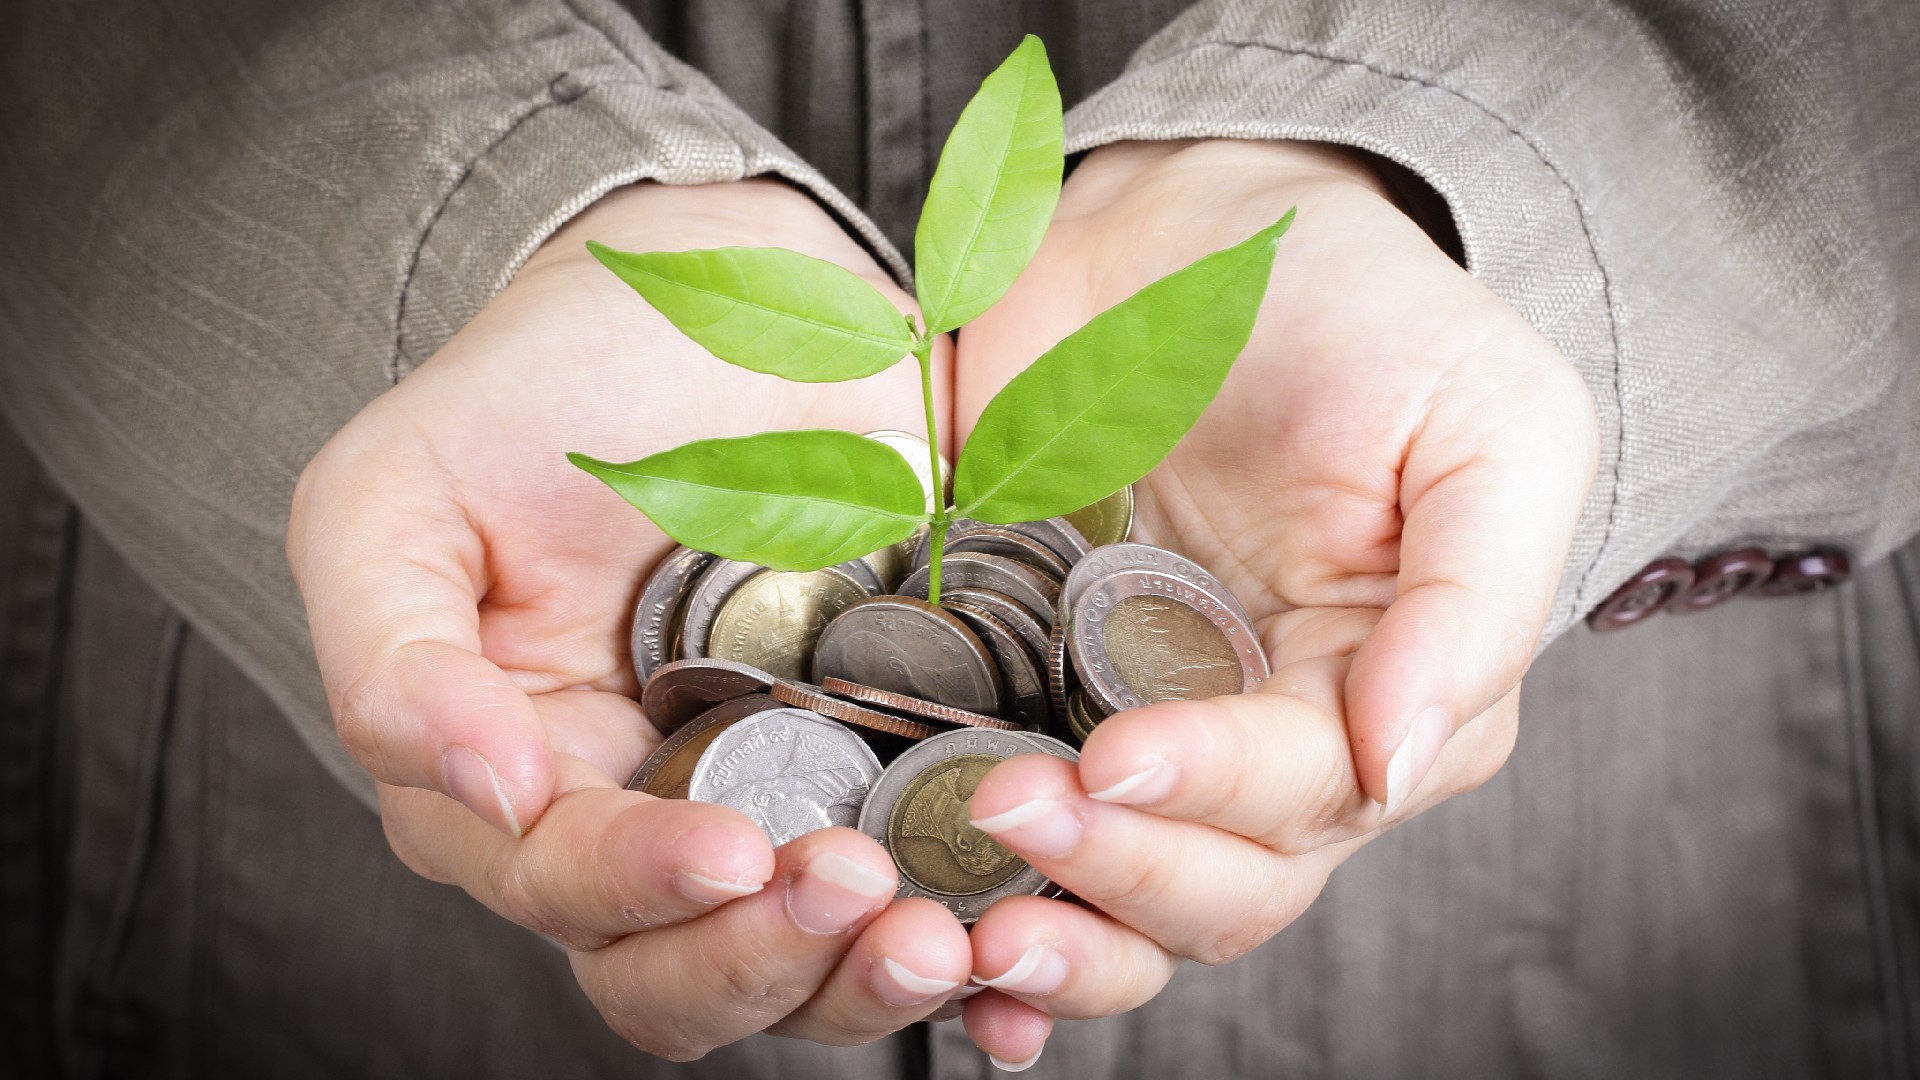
[1490, 494]
[393, 593]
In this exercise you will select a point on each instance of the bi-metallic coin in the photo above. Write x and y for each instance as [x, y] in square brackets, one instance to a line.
[1140, 636]
[1115, 558]
[920, 811]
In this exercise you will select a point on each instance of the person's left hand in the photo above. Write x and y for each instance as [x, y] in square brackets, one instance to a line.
[1389, 481]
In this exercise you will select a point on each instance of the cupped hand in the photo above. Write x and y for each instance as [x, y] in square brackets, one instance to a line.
[1389, 480]
[469, 591]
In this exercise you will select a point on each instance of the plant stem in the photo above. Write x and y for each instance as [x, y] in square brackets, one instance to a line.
[923, 352]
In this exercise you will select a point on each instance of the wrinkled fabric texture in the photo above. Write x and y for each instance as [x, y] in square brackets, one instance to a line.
[231, 223]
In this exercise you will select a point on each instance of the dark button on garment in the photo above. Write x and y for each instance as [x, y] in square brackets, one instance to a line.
[1722, 577]
[1806, 572]
[1643, 595]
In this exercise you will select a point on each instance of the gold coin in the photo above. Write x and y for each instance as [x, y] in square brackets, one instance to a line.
[914, 449]
[1108, 521]
[1082, 716]
[934, 844]
[772, 619]
[1164, 650]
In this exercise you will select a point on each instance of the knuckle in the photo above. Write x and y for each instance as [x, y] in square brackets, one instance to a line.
[1274, 909]
[747, 977]
[665, 1045]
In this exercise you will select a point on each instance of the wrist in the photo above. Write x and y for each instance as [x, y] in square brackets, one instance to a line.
[1109, 170]
[757, 212]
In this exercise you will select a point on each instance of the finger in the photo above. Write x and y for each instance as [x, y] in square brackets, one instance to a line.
[608, 731]
[1067, 961]
[904, 965]
[392, 593]
[1490, 493]
[1011, 1033]
[601, 864]
[1273, 766]
[680, 991]
[1199, 892]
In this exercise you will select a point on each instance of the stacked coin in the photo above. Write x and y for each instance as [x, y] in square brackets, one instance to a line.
[841, 696]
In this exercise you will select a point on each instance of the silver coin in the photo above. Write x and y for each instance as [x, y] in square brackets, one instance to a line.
[1059, 535]
[863, 572]
[1028, 587]
[1017, 542]
[914, 449]
[684, 689]
[1018, 546]
[1115, 558]
[662, 600]
[1005, 608]
[669, 768]
[1140, 636]
[919, 812]
[709, 591]
[908, 646]
[892, 563]
[1022, 680]
[790, 770]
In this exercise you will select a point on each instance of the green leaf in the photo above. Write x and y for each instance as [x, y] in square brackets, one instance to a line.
[769, 309]
[791, 500]
[993, 192]
[1100, 409]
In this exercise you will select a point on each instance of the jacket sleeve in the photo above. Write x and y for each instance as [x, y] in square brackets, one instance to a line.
[1712, 209]
[229, 225]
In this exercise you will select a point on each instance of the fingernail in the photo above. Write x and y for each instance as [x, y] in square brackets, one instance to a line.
[1425, 738]
[1040, 970]
[896, 984]
[702, 889]
[472, 781]
[1016, 1066]
[1043, 827]
[1149, 785]
[833, 892]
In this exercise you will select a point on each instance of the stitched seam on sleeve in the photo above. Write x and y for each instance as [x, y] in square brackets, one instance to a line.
[1580, 212]
[433, 220]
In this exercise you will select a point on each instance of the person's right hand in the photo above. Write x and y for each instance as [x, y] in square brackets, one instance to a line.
[469, 592]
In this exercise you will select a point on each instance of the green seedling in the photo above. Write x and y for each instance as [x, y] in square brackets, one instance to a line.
[1093, 414]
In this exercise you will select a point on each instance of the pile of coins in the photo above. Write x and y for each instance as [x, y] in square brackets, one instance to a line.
[842, 697]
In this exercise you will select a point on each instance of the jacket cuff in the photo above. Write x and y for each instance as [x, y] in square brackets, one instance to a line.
[594, 130]
[1487, 172]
